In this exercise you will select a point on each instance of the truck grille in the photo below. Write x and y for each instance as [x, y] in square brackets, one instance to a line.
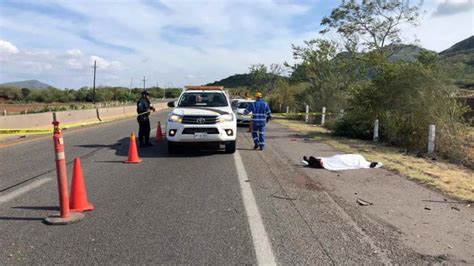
[207, 130]
[199, 120]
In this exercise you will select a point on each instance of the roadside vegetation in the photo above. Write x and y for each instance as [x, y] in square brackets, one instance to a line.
[24, 100]
[359, 65]
[84, 94]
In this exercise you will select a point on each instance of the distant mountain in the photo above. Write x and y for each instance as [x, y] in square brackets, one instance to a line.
[405, 52]
[234, 81]
[30, 84]
[463, 46]
[458, 62]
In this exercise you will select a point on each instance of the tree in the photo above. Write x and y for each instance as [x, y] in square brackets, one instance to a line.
[325, 71]
[276, 70]
[25, 92]
[259, 75]
[374, 24]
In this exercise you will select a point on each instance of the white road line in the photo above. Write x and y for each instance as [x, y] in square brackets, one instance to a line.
[24, 189]
[261, 243]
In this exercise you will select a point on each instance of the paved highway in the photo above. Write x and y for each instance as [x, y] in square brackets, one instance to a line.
[202, 207]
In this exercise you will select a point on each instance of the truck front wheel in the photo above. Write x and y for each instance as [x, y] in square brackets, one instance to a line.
[171, 147]
[230, 147]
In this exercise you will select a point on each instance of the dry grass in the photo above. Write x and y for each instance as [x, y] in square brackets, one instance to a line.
[454, 180]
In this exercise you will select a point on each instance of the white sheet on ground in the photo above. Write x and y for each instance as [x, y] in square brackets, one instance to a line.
[346, 162]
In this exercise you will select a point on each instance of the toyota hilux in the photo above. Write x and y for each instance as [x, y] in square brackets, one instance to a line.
[202, 114]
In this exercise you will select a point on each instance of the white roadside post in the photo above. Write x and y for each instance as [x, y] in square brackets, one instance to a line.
[306, 118]
[341, 114]
[431, 139]
[323, 116]
[4, 112]
[376, 130]
[287, 109]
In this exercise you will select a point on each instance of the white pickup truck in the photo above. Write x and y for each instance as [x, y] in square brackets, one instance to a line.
[202, 114]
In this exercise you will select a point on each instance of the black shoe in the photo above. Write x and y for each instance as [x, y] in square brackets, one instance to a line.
[305, 158]
[255, 146]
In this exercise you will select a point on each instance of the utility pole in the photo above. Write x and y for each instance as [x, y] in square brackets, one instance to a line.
[93, 86]
[130, 88]
[164, 91]
[144, 82]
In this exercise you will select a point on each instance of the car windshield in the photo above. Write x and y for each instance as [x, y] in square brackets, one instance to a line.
[197, 99]
[243, 105]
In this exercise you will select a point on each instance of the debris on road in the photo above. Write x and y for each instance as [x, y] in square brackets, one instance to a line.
[455, 208]
[285, 198]
[362, 202]
[428, 209]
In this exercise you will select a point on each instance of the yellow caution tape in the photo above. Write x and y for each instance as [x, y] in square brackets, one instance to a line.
[24, 131]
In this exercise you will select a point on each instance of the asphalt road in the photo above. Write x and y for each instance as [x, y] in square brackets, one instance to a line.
[195, 207]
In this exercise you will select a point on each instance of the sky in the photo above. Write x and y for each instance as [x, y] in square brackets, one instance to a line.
[174, 42]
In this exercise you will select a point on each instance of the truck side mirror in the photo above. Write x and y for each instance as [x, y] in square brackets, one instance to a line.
[171, 104]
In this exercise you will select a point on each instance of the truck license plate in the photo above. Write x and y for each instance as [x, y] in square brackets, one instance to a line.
[200, 135]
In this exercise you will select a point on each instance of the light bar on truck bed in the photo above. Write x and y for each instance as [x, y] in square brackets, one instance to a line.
[204, 88]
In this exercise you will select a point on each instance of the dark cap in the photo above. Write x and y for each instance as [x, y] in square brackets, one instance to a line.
[145, 93]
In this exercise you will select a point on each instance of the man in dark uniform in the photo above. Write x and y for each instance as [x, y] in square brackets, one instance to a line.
[143, 109]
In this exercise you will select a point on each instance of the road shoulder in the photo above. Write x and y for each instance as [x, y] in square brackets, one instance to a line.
[424, 220]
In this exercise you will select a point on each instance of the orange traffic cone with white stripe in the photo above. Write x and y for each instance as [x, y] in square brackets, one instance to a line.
[159, 133]
[132, 151]
[78, 201]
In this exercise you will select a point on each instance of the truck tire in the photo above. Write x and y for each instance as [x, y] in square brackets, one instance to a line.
[171, 147]
[231, 147]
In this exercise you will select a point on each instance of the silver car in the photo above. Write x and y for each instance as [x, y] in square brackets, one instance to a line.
[239, 106]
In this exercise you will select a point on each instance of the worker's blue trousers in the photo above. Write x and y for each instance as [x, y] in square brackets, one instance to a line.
[258, 133]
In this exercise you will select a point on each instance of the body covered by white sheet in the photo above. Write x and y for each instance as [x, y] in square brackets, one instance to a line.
[344, 162]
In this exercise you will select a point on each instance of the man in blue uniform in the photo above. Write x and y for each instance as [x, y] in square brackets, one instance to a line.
[260, 115]
[143, 109]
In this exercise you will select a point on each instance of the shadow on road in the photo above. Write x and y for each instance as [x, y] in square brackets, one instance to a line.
[3, 218]
[41, 208]
[158, 150]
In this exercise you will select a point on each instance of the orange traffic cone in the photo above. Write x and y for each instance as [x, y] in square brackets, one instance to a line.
[132, 151]
[159, 133]
[78, 201]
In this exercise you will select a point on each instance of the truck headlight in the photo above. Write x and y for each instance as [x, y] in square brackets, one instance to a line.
[175, 118]
[226, 118]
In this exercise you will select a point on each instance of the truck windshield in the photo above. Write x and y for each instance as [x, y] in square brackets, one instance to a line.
[197, 99]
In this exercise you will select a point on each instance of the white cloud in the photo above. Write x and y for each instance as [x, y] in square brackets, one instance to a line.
[210, 39]
[104, 64]
[452, 7]
[74, 52]
[8, 48]
[74, 64]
